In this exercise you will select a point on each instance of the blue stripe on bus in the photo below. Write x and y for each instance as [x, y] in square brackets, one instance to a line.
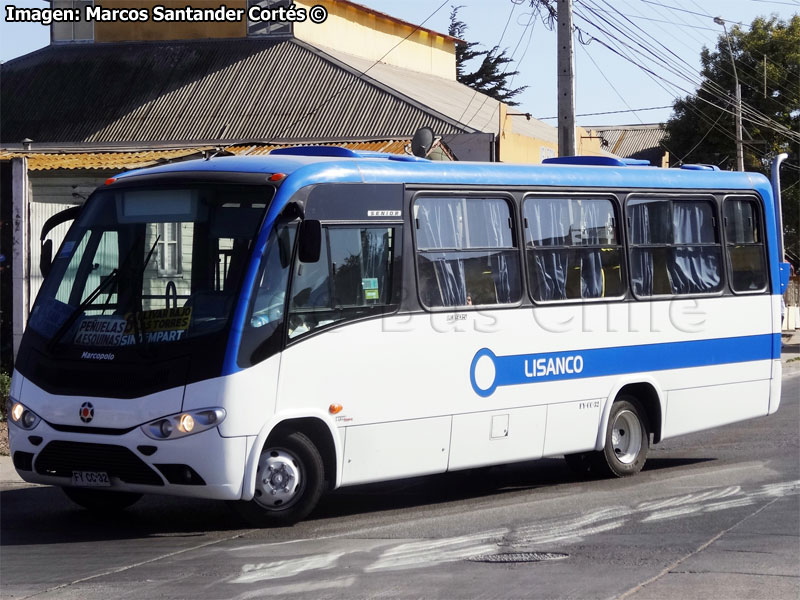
[522, 369]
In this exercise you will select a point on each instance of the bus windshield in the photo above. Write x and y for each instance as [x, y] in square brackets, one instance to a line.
[149, 266]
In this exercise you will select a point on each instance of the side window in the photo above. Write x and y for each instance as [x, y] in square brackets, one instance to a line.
[675, 248]
[353, 278]
[745, 245]
[466, 252]
[69, 31]
[573, 248]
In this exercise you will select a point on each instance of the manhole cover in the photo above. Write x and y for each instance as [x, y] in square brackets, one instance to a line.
[517, 557]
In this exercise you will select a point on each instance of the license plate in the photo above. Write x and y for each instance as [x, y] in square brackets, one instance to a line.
[90, 479]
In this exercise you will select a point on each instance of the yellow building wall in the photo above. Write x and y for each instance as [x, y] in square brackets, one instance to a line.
[370, 36]
[524, 149]
[153, 31]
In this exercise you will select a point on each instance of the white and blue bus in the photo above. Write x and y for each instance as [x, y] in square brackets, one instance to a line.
[265, 329]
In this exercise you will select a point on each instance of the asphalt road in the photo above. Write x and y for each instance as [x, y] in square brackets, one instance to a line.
[713, 515]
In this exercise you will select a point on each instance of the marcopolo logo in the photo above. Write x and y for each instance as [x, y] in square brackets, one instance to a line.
[98, 355]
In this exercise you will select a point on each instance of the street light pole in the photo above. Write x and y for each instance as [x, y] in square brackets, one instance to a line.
[739, 148]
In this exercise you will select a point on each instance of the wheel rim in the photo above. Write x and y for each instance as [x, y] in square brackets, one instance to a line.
[279, 479]
[626, 437]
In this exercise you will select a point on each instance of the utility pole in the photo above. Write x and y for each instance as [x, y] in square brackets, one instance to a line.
[739, 148]
[566, 81]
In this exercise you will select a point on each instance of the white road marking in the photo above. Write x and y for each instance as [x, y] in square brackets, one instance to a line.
[299, 588]
[279, 569]
[570, 529]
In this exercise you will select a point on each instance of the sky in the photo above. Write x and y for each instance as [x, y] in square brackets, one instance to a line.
[604, 81]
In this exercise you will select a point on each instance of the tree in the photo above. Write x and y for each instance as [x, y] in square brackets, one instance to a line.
[701, 129]
[491, 77]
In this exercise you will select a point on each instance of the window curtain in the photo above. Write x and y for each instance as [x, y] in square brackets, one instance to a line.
[694, 269]
[440, 228]
[591, 259]
[550, 226]
[641, 258]
[494, 222]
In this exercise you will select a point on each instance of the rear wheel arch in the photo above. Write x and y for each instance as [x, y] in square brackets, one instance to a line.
[649, 396]
[650, 401]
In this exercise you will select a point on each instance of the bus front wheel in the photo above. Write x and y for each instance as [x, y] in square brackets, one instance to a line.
[289, 482]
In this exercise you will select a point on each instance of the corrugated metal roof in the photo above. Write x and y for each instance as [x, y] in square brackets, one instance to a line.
[116, 161]
[388, 146]
[47, 161]
[630, 141]
[457, 101]
[201, 91]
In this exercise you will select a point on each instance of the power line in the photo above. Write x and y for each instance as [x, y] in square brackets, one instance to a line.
[754, 115]
[519, 41]
[502, 35]
[775, 2]
[691, 12]
[361, 74]
[658, 79]
[612, 112]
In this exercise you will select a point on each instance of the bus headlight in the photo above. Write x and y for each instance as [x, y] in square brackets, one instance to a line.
[183, 424]
[22, 416]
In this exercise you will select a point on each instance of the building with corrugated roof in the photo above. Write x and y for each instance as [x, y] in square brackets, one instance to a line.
[107, 96]
[642, 142]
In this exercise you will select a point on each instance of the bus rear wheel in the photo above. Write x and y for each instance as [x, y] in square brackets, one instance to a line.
[289, 482]
[101, 500]
[627, 439]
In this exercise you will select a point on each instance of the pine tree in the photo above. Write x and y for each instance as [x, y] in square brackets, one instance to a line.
[490, 77]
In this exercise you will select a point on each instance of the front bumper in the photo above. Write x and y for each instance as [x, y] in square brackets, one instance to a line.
[133, 461]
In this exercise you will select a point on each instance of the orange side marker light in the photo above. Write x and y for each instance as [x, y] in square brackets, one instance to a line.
[335, 408]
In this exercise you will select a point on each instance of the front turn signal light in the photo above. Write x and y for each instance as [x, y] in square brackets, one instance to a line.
[335, 409]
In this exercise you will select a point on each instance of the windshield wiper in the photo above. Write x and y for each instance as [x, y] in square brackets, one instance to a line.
[112, 277]
[138, 334]
[95, 293]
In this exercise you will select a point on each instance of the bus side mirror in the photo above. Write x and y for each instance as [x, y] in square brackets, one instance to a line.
[46, 258]
[310, 241]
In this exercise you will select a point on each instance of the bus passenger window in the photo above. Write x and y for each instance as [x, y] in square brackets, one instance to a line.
[466, 252]
[675, 247]
[353, 278]
[745, 245]
[573, 249]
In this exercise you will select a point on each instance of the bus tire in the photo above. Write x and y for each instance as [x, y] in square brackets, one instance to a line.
[101, 500]
[627, 439]
[289, 482]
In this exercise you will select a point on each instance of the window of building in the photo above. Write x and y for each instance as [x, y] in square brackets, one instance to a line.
[745, 245]
[73, 31]
[573, 248]
[675, 247]
[268, 28]
[466, 252]
[352, 278]
[169, 249]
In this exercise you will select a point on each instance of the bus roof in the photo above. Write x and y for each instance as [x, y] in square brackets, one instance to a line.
[311, 165]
